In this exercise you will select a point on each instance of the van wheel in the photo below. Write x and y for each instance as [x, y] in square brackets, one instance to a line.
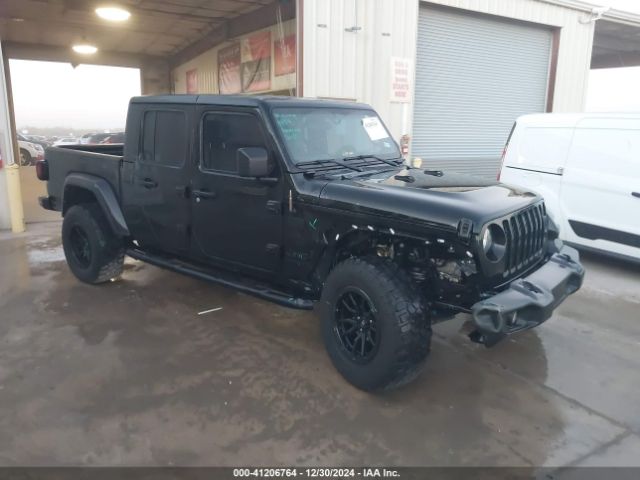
[94, 254]
[374, 324]
[25, 158]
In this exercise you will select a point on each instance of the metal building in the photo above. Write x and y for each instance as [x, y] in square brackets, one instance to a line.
[478, 65]
[451, 74]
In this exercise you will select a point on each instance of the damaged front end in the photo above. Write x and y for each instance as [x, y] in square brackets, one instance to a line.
[524, 274]
[528, 301]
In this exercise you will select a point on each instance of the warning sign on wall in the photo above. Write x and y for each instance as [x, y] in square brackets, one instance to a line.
[401, 75]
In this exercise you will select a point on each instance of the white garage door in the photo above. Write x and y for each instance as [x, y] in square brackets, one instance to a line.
[475, 74]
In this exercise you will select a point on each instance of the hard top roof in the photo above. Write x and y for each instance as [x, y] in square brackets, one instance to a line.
[247, 101]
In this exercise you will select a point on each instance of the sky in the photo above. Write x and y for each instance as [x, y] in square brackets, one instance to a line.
[50, 94]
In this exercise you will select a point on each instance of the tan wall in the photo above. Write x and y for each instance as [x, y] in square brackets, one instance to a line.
[155, 78]
[32, 188]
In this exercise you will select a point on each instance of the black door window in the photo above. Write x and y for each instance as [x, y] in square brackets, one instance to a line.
[164, 137]
[223, 134]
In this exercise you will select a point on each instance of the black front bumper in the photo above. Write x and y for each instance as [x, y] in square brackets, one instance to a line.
[528, 301]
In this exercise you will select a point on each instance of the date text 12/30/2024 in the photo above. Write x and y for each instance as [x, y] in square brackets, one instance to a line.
[315, 473]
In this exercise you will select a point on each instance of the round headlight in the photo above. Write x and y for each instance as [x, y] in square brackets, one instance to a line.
[494, 242]
[487, 240]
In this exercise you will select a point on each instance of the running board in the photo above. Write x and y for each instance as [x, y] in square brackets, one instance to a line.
[223, 278]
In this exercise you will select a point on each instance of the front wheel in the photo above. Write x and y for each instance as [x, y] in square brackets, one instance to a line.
[374, 324]
[93, 252]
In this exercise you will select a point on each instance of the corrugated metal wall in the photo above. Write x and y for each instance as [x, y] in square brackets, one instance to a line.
[475, 74]
[356, 64]
[206, 65]
[343, 64]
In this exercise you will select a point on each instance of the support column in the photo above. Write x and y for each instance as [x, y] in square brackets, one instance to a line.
[155, 78]
[11, 213]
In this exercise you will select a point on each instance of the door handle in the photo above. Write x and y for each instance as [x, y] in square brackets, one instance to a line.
[636, 194]
[203, 195]
[148, 183]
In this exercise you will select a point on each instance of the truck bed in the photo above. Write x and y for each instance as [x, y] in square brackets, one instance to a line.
[103, 161]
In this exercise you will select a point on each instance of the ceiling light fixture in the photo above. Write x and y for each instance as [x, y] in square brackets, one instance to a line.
[85, 49]
[113, 14]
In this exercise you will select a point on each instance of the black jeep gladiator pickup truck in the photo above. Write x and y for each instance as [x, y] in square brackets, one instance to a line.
[303, 201]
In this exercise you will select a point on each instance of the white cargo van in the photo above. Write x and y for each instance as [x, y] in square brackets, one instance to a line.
[587, 167]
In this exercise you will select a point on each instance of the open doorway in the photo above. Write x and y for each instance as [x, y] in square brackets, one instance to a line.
[57, 103]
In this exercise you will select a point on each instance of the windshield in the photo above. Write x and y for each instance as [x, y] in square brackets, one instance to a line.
[314, 134]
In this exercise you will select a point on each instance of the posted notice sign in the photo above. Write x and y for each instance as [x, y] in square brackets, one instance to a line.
[401, 75]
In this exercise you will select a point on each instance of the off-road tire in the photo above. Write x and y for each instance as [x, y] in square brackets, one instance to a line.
[106, 249]
[25, 158]
[401, 317]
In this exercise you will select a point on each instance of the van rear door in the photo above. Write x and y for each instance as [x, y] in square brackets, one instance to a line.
[600, 179]
[535, 159]
[539, 149]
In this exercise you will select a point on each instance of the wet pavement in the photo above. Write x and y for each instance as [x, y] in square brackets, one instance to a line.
[128, 373]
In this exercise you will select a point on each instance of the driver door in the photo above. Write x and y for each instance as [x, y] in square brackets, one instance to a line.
[237, 221]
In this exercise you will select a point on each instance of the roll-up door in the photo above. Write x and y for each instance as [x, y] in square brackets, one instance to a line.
[475, 74]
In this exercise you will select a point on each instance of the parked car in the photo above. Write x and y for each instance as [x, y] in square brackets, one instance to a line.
[117, 137]
[84, 139]
[97, 138]
[30, 152]
[305, 201]
[587, 168]
[66, 141]
[38, 140]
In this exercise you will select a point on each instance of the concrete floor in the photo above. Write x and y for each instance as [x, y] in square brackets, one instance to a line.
[128, 374]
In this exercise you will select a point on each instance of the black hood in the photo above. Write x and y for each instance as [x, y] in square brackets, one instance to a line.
[444, 199]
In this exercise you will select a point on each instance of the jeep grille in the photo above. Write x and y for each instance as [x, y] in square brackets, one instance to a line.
[526, 233]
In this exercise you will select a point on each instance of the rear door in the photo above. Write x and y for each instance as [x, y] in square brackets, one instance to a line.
[237, 221]
[601, 185]
[157, 194]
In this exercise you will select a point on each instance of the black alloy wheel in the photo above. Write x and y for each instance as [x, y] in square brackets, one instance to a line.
[80, 246]
[356, 325]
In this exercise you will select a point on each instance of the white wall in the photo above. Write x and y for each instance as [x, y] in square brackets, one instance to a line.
[5, 148]
[341, 64]
[207, 65]
[357, 65]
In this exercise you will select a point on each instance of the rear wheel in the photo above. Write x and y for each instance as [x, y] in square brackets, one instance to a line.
[25, 158]
[93, 252]
[374, 323]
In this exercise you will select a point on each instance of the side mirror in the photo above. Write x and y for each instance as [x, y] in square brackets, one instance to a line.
[253, 162]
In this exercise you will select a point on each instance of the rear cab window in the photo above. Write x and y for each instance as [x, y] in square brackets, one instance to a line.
[164, 138]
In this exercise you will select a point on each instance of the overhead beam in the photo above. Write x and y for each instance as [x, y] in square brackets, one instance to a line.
[249, 22]
[26, 51]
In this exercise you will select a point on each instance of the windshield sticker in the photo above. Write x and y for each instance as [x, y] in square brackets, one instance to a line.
[374, 128]
[289, 125]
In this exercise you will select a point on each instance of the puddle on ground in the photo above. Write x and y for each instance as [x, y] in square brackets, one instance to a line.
[45, 255]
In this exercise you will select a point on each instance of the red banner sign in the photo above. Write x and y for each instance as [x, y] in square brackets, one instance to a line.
[285, 55]
[256, 62]
[229, 70]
